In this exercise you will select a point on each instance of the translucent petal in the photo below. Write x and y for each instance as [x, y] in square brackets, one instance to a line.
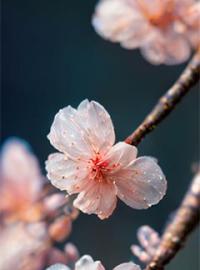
[120, 156]
[99, 197]
[97, 125]
[66, 174]
[127, 266]
[142, 184]
[82, 133]
[87, 263]
[68, 136]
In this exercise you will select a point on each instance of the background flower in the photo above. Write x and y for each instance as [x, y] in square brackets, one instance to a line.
[165, 30]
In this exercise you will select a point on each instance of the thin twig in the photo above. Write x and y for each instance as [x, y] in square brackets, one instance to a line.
[167, 103]
[185, 220]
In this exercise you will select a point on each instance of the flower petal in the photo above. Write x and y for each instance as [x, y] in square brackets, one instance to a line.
[166, 48]
[97, 125]
[87, 263]
[127, 266]
[20, 174]
[142, 184]
[82, 133]
[97, 198]
[120, 21]
[58, 266]
[120, 156]
[68, 136]
[66, 174]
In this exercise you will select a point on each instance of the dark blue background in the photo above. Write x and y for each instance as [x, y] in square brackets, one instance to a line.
[51, 58]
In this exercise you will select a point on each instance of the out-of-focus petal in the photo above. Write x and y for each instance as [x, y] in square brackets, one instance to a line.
[169, 49]
[20, 169]
[127, 266]
[97, 125]
[119, 157]
[66, 174]
[142, 184]
[97, 198]
[87, 263]
[23, 246]
[120, 21]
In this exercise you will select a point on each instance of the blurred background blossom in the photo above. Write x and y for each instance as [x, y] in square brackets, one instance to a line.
[51, 57]
[166, 31]
[30, 221]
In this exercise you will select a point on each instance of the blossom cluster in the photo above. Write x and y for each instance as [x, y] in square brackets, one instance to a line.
[166, 31]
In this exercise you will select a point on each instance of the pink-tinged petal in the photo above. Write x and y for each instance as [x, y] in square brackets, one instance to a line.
[120, 156]
[82, 133]
[20, 174]
[99, 197]
[97, 125]
[66, 174]
[166, 48]
[87, 263]
[121, 21]
[23, 246]
[191, 17]
[68, 136]
[127, 266]
[142, 184]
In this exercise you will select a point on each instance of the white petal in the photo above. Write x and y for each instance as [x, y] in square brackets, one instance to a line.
[58, 266]
[82, 133]
[127, 266]
[87, 263]
[67, 134]
[97, 125]
[120, 156]
[142, 184]
[97, 198]
[66, 174]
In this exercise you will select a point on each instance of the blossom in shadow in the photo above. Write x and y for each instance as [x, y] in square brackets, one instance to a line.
[87, 263]
[165, 30]
[149, 241]
[91, 166]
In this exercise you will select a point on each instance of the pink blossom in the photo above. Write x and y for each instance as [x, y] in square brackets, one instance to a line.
[165, 30]
[27, 231]
[149, 241]
[91, 166]
[21, 182]
[87, 263]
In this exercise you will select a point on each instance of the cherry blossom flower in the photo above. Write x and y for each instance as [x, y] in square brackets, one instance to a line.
[91, 166]
[165, 30]
[26, 233]
[149, 241]
[87, 263]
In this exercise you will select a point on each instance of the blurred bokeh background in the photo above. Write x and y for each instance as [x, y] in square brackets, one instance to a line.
[52, 57]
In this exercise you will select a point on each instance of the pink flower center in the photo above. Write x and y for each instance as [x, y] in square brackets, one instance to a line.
[160, 18]
[100, 168]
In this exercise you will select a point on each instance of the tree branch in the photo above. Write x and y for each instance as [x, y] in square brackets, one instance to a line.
[168, 102]
[185, 220]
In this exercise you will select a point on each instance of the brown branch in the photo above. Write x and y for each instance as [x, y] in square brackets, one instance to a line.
[185, 220]
[168, 102]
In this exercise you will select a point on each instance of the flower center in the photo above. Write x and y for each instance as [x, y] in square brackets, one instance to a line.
[160, 18]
